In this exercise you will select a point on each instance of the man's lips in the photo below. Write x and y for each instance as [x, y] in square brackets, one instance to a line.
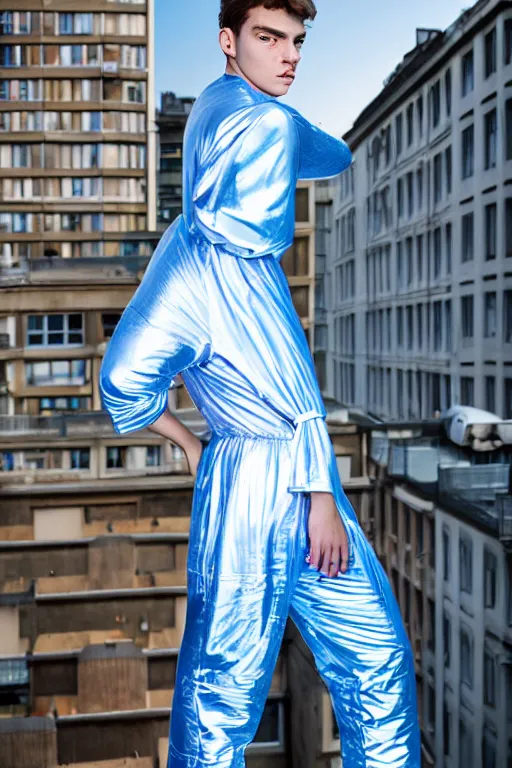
[288, 75]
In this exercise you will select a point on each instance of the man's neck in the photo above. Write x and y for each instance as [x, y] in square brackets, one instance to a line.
[233, 69]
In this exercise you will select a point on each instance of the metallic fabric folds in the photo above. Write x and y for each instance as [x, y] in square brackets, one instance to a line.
[215, 307]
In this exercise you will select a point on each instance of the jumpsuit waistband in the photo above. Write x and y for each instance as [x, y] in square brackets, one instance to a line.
[298, 421]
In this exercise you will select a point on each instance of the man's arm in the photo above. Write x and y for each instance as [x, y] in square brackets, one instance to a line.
[321, 155]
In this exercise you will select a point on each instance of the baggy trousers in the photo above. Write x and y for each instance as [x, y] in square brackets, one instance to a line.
[247, 572]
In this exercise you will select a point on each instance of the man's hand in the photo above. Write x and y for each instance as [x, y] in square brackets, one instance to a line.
[328, 538]
[193, 453]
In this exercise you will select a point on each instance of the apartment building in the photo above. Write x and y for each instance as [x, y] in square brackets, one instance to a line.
[421, 298]
[171, 120]
[441, 525]
[77, 134]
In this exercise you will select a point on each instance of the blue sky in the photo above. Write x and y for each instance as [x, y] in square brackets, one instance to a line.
[351, 48]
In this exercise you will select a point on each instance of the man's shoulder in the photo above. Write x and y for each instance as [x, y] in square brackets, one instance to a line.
[229, 97]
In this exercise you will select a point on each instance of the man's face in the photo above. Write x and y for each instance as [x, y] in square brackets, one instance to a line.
[267, 50]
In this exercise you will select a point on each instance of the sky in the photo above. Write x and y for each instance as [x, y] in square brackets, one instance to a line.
[351, 49]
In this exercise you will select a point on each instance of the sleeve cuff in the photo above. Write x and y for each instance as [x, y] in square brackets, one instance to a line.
[311, 456]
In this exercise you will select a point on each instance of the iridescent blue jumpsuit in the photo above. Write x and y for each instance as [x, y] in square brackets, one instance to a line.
[215, 306]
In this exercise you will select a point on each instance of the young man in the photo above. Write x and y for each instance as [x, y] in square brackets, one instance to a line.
[272, 532]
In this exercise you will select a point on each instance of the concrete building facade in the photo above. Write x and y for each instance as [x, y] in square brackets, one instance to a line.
[77, 131]
[419, 258]
[441, 525]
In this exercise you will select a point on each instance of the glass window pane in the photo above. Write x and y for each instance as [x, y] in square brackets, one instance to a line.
[75, 322]
[55, 322]
[35, 322]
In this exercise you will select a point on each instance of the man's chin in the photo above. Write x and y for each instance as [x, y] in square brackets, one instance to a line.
[279, 89]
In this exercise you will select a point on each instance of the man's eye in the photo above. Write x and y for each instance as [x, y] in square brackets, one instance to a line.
[267, 39]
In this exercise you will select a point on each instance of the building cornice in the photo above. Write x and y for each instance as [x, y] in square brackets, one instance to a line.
[430, 58]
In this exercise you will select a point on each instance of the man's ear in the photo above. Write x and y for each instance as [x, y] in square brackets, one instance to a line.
[227, 42]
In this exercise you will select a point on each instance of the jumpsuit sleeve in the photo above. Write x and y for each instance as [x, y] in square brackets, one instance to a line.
[321, 155]
[245, 190]
[162, 332]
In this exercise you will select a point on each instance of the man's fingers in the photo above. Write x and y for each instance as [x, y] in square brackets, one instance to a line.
[335, 562]
[326, 560]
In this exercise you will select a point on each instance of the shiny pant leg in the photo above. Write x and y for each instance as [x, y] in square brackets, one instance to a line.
[246, 552]
[353, 627]
[246, 573]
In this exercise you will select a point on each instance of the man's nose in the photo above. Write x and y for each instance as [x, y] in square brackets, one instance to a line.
[292, 55]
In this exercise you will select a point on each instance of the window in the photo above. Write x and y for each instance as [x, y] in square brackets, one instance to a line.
[56, 373]
[491, 138]
[490, 578]
[80, 458]
[507, 399]
[55, 330]
[467, 390]
[491, 213]
[447, 640]
[448, 242]
[438, 325]
[77, 187]
[466, 656]
[437, 252]
[448, 328]
[21, 156]
[419, 185]
[135, 93]
[110, 322]
[399, 133]
[508, 227]
[116, 457]
[399, 265]
[6, 23]
[468, 152]
[508, 41]
[435, 103]
[489, 679]
[51, 404]
[400, 197]
[490, 394]
[468, 74]
[467, 237]
[507, 317]
[448, 166]
[271, 724]
[419, 257]
[152, 456]
[447, 563]
[65, 23]
[466, 563]
[508, 144]
[400, 326]
[490, 315]
[410, 124]
[410, 328]
[410, 194]
[438, 177]
[410, 265]
[490, 53]
[448, 91]
[419, 110]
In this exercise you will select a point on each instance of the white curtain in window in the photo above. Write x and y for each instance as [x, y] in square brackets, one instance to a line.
[65, 55]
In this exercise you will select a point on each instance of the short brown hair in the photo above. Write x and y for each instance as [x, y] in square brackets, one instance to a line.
[233, 13]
